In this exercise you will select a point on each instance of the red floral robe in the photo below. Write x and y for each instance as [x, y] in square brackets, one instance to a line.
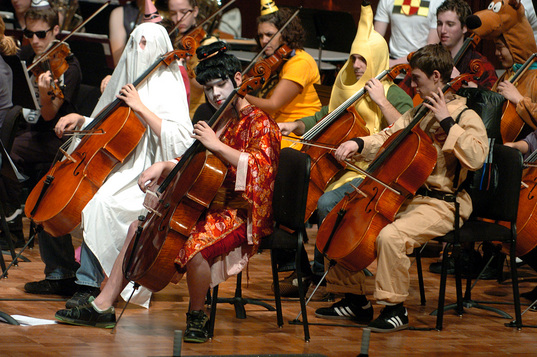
[258, 137]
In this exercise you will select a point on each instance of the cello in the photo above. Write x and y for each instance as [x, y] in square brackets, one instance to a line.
[342, 124]
[183, 196]
[57, 200]
[404, 163]
[527, 208]
[511, 123]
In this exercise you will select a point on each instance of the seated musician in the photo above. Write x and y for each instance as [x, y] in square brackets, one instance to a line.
[386, 103]
[289, 94]
[458, 136]
[243, 223]
[522, 96]
[160, 104]
[452, 30]
[529, 143]
[37, 144]
[528, 146]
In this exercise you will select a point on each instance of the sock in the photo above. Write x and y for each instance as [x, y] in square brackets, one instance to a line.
[100, 311]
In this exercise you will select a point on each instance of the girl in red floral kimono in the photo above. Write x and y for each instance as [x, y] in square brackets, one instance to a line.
[228, 233]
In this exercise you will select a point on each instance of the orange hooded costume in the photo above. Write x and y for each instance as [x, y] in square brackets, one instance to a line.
[507, 19]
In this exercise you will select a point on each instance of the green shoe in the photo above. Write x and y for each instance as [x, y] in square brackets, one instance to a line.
[196, 327]
[87, 315]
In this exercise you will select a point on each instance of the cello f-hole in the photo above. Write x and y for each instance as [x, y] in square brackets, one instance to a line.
[372, 199]
[530, 194]
[75, 171]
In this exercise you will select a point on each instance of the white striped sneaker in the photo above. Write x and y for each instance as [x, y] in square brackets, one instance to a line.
[345, 310]
[391, 319]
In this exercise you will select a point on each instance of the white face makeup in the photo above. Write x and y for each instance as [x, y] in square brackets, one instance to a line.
[217, 91]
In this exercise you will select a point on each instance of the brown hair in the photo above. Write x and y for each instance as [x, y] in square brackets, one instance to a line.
[433, 57]
[48, 14]
[293, 35]
[7, 44]
[459, 7]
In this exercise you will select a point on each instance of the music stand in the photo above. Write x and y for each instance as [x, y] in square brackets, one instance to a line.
[9, 171]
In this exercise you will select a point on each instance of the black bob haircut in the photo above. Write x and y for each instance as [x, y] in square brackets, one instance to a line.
[215, 63]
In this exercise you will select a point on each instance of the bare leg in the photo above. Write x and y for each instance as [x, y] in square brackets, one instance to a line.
[116, 281]
[198, 278]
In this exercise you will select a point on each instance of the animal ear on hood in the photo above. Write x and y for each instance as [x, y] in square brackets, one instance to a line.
[515, 4]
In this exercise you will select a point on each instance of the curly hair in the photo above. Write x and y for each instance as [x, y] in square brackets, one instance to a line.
[433, 57]
[7, 44]
[215, 63]
[293, 35]
[459, 7]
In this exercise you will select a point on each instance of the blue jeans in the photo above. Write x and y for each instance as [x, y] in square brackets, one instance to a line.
[90, 272]
[58, 254]
[325, 204]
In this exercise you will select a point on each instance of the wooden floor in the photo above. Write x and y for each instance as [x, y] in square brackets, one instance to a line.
[150, 332]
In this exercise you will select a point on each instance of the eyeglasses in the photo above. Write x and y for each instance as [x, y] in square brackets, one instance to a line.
[40, 34]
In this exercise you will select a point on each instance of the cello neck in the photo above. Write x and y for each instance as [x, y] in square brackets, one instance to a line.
[197, 145]
[336, 113]
[523, 69]
[467, 41]
[163, 59]
[420, 113]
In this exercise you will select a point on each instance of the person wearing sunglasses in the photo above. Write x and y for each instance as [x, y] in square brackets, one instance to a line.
[37, 144]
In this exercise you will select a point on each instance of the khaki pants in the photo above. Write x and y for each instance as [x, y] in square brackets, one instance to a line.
[417, 222]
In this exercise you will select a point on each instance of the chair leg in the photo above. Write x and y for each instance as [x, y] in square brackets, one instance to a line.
[442, 290]
[417, 253]
[212, 316]
[516, 292]
[301, 293]
[277, 294]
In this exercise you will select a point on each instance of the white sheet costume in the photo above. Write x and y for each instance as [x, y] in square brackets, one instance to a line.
[106, 218]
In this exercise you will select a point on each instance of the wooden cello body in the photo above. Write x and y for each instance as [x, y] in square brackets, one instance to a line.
[56, 202]
[342, 124]
[527, 213]
[511, 124]
[71, 183]
[150, 261]
[349, 238]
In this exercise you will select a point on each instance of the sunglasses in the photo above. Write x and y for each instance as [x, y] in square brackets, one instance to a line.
[40, 34]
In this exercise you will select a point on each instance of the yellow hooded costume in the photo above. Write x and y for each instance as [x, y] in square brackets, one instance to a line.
[370, 45]
[373, 48]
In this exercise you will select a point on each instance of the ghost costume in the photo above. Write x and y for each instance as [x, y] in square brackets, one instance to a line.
[106, 218]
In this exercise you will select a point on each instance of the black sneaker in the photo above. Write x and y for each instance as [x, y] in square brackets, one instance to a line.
[64, 287]
[82, 295]
[391, 319]
[87, 316]
[345, 310]
[197, 330]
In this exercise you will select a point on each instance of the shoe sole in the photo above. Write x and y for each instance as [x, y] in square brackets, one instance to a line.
[84, 323]
[329, 317]
[381, 330]
[195, 340]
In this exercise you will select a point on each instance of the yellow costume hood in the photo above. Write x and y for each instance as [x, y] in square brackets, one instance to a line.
[373, 48]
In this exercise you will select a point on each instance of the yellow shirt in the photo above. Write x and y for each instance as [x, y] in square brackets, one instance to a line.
[301, 69]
